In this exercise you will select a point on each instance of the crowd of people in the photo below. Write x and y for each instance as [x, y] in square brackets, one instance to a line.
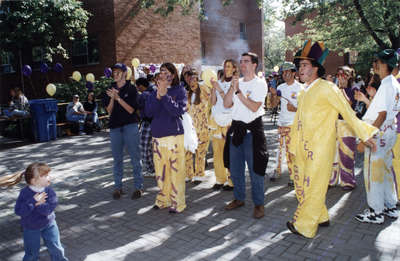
[322, 122]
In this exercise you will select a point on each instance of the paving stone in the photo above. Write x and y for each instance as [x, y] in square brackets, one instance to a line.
[95, 227]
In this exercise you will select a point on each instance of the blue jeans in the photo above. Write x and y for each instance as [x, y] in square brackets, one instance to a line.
[127, 135]
[51, 238]
[80, 118]
[238, 157]
[18, 113]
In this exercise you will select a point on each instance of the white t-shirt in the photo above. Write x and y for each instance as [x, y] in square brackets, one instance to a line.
[288, 92]
[222, 115]
[385, 99]
[256, 90]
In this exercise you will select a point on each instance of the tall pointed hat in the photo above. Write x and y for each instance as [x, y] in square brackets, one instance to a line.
[316, 52]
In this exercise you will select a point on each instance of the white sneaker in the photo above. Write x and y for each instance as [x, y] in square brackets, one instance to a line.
[369, 216]
[391, 212]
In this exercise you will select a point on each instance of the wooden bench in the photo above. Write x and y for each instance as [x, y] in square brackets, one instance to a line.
[64, 126]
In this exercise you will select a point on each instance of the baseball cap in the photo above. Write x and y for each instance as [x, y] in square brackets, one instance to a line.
[120, 66]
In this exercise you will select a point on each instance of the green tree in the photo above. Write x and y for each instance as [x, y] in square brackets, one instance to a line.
[44, 23]
[344, 25]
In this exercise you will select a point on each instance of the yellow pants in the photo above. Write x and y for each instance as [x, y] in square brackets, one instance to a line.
[284, 141]
[218, 135]
[200, 157]
[343, 166]
[396, 165]
[169, 164]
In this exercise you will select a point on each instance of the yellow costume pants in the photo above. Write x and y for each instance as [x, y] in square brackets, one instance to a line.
[343, 167]
[218, 135]
[284, 141]
[169, 164]
[200, 156]
[396, 164]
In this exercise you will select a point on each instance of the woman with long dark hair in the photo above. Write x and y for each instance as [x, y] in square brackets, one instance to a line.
[166, 107]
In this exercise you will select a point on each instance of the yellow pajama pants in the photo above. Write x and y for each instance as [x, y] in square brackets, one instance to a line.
[396, 164]
[218, 135]
[284, 141]
[169, 164]
[200, 156]
[343, 166]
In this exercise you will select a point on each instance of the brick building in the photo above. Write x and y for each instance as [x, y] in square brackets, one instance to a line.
[117, 32]
[332, 62]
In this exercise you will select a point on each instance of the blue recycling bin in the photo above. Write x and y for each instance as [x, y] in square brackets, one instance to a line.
[44, 112]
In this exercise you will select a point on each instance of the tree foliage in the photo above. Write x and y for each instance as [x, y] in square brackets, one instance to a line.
[44, 23]
[360, 25]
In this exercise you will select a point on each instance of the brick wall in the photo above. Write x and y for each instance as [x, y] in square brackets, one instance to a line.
[155, 39]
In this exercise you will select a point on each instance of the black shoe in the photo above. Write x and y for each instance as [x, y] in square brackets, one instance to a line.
[217, 186]
[155, 207]
[137, 194]
[227, 188]
[196, 182]
[272, 179]
[292, 229]
[172, 211]
[117, 194]
[324, 224]
[291, 184]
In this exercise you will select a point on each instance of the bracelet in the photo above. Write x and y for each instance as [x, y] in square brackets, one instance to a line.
[119, 99]
[237, 92]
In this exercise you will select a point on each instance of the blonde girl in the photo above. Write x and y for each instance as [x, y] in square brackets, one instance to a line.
[35, 205]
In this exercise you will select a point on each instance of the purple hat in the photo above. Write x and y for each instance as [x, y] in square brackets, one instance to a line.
[120, 66]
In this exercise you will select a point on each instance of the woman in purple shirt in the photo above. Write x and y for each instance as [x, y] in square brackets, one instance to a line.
[166, 106]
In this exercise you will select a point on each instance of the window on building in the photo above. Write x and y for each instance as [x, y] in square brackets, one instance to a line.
[7, 62]
[243, 31]
[85, 52]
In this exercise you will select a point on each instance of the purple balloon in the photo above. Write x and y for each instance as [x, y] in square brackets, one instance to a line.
[27, 70]
[89, 86]
[107, 72]
[58, 67]
[153, 68]
[44, 68]
[279, 93]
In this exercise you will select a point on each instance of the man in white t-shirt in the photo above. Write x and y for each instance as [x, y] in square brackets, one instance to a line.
[286, 94]
[378, 172]
[245, 140]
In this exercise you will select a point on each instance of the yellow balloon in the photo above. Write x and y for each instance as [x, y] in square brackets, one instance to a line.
[51, 89]
[135, 62]
[276, 68]
[207, 75]
[76, 76]
[90, 77]
[128, 73]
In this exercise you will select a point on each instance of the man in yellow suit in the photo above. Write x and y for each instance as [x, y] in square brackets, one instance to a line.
[314, 138]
